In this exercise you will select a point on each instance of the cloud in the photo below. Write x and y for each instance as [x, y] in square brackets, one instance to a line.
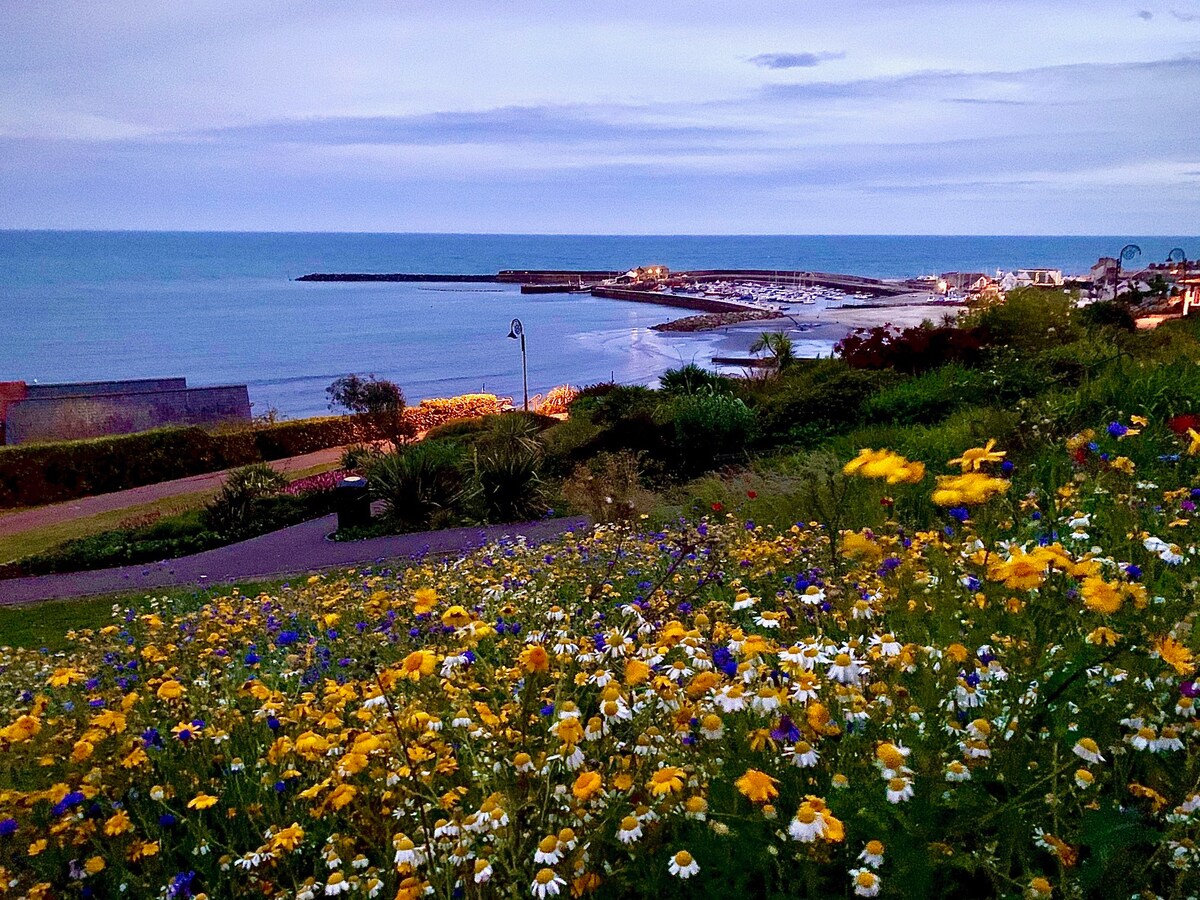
[557, 124]
[1185, 16]
[1145, 15]
[794, 60]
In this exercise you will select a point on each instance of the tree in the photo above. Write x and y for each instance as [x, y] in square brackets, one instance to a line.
[365, 395]
[778, 345]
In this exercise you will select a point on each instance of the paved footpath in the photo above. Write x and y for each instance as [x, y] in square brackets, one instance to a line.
[25, 519]
[290, 551]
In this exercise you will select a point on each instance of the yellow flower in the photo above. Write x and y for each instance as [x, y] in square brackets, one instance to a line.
[1100, 596]
[118, 824]
[342, 795]
[667, 780]
[287, 839]
[974, 459]
[636, 672]
[535, 659]
[63, 677]
[424, 599]
[417, 664]
[1194, 446]
[170, 690]
[202, 801]
[885, 464]
[587, 785]
[456, 617]
[94, 865]
[968, 489]
[1176, 655]
[758, 786]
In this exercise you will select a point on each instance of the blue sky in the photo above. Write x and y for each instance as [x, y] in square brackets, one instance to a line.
[765, 116]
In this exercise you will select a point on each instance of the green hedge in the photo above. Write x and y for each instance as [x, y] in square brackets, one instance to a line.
[49, 473]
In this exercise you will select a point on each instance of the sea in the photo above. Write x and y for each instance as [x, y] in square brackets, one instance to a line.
[225, 308]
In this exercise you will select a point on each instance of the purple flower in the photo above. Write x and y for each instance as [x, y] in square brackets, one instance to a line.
[786, 730]
[1116, 429]
[7, 827]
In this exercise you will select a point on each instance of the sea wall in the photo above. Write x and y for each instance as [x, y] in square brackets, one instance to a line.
[96, 415]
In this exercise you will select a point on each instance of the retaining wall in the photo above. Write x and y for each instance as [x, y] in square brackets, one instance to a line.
[70, 417]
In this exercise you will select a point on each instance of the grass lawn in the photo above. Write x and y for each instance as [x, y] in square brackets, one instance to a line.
[46, 624]
[38, 540]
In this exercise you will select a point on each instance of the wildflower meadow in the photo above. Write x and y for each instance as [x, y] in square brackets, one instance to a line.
[998, 704]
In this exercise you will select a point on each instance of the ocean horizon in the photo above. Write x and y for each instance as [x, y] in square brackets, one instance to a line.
[223, 307]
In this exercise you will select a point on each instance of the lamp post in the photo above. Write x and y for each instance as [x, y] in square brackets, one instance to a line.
[1129, 251]
[517, 330]
[1177, 255]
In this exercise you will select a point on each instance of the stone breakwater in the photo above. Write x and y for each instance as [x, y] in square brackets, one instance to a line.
[715, 320]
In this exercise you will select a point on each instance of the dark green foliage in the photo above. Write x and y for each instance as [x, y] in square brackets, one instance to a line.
[506, 476]
[1029, 319]
[48, 473]
[365, 395]
[419, 484]
[693, 379]
[1107, 315]
[708, 430]
[930, 397]
[814, 402]
[615, 402]
[233, 511]
[458, 429]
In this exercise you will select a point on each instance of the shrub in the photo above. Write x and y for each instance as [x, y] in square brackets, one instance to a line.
[614, 402]
[419, 484]
[807, 407]
[1029, 319]
[365, 395]
[692, 379]
[507, 484]
[916, 349]
[608, 488]
[230, 512]
[1107, 314]
[430, 413]
[709, 429]
[557, 400]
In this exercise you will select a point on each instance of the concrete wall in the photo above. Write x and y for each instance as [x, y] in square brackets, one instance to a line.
[73, 417]
[89, 388]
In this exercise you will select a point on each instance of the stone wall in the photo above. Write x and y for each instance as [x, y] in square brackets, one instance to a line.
[70, 417]
[91, 388]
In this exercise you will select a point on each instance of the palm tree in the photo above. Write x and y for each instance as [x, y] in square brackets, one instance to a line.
[778, 345]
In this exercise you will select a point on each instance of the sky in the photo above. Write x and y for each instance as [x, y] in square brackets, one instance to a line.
[607, 116]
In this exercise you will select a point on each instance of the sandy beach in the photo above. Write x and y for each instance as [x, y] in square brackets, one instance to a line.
[813, 329]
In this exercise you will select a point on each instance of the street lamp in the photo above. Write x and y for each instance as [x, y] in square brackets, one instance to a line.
[517, 330]
[1177, 255]
[1129, 251]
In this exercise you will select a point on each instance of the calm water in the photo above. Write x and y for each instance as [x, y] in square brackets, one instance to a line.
[222, 308]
